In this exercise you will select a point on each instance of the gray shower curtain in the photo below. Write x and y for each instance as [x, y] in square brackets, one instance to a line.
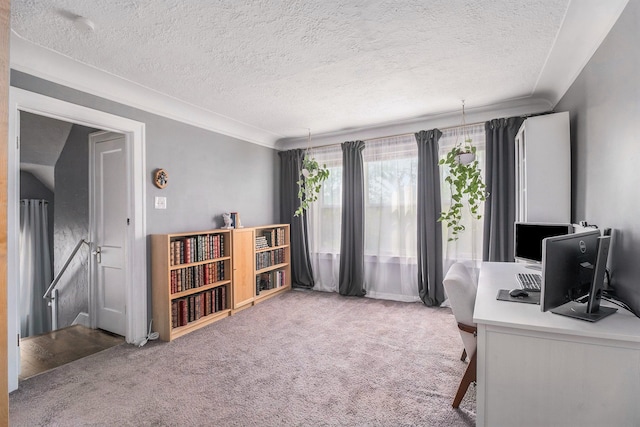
[35, 268]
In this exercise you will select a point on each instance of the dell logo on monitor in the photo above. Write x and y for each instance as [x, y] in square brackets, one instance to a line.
[583, 246]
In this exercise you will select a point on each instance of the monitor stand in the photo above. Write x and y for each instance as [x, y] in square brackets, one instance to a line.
[579, 311]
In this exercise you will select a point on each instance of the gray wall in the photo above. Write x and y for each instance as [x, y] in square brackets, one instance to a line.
[71, 224]
[209, 173]
[604, 103]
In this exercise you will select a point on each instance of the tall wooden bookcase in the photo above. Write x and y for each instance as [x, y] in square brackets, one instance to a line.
[261, 258]
[191, 280]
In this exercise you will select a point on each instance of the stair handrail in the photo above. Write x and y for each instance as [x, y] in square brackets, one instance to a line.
[47, 294]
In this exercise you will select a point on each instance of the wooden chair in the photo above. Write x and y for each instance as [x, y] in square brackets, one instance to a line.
[461, 291]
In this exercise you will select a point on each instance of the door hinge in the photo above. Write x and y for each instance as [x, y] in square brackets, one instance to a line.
[128, 221]
[18, 142]
[18, 336]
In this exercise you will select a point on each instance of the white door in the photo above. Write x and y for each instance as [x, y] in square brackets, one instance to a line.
[109, 231]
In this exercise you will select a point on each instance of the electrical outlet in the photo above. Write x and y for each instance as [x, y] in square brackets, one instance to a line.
[161, 203]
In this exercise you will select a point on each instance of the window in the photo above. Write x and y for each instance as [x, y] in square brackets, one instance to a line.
[391, 171]
[390, 177]
[325, 214]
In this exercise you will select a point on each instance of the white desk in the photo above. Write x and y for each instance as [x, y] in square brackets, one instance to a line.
[542, 369]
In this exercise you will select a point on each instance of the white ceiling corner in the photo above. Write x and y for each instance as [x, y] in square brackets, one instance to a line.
[266, 71]
[586, 24]
[43, 173]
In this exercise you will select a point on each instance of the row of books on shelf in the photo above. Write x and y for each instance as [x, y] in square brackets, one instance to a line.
[269, 258]
[273, 237]
[261, 242]
[196, 248]
[193, 307]
[194, 277]
[271, 280]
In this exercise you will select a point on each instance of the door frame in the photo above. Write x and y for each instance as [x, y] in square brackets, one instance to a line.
[136, 257]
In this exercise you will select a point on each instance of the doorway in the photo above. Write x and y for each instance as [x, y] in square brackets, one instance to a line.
[135, 275]
[65, 202]
[54, 193]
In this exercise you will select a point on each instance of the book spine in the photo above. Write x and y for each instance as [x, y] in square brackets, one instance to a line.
[174, 314]
[184, 312]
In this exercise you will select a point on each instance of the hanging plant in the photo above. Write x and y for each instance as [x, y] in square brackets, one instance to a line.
[465, 182]
[311, 178]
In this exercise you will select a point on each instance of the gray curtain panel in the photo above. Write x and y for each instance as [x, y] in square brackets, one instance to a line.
[430, 274]
[500, 207]
[290, 166]
[351, 277]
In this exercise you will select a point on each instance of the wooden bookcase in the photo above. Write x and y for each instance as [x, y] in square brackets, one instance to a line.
[261, 258]
[191, 280]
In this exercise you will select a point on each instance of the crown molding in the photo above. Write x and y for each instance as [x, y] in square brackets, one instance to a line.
[515, 107]
[574, 47]
[38, 61]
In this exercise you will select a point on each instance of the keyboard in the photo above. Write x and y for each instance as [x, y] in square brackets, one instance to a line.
[530, 281]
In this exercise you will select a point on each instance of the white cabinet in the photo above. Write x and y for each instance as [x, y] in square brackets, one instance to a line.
[543, 169]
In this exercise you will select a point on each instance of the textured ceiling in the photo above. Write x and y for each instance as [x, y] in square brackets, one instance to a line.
[285, 66]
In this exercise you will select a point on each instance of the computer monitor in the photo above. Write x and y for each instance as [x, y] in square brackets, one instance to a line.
[567, 263]
[528, 237]
[591, 310]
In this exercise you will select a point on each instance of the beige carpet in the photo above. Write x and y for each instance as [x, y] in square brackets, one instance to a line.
[304, 358]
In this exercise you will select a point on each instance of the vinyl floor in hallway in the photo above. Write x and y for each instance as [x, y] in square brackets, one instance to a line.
[47, 351]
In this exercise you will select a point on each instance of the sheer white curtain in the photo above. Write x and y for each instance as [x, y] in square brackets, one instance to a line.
[391, 171]
[325, 220]
[468, 248]
[35, 268]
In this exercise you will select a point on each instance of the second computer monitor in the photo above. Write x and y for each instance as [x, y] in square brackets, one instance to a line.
[528, 237]
[567, 267]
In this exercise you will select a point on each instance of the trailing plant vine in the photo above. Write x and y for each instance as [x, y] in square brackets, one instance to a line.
[311, 178]
[465, 182]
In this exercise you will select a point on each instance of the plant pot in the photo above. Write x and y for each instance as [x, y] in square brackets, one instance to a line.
[465, 158]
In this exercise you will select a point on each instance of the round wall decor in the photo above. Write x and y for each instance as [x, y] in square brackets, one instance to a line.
[160, 178]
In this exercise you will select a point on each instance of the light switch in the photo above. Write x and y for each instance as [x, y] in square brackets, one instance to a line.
[161, 203]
